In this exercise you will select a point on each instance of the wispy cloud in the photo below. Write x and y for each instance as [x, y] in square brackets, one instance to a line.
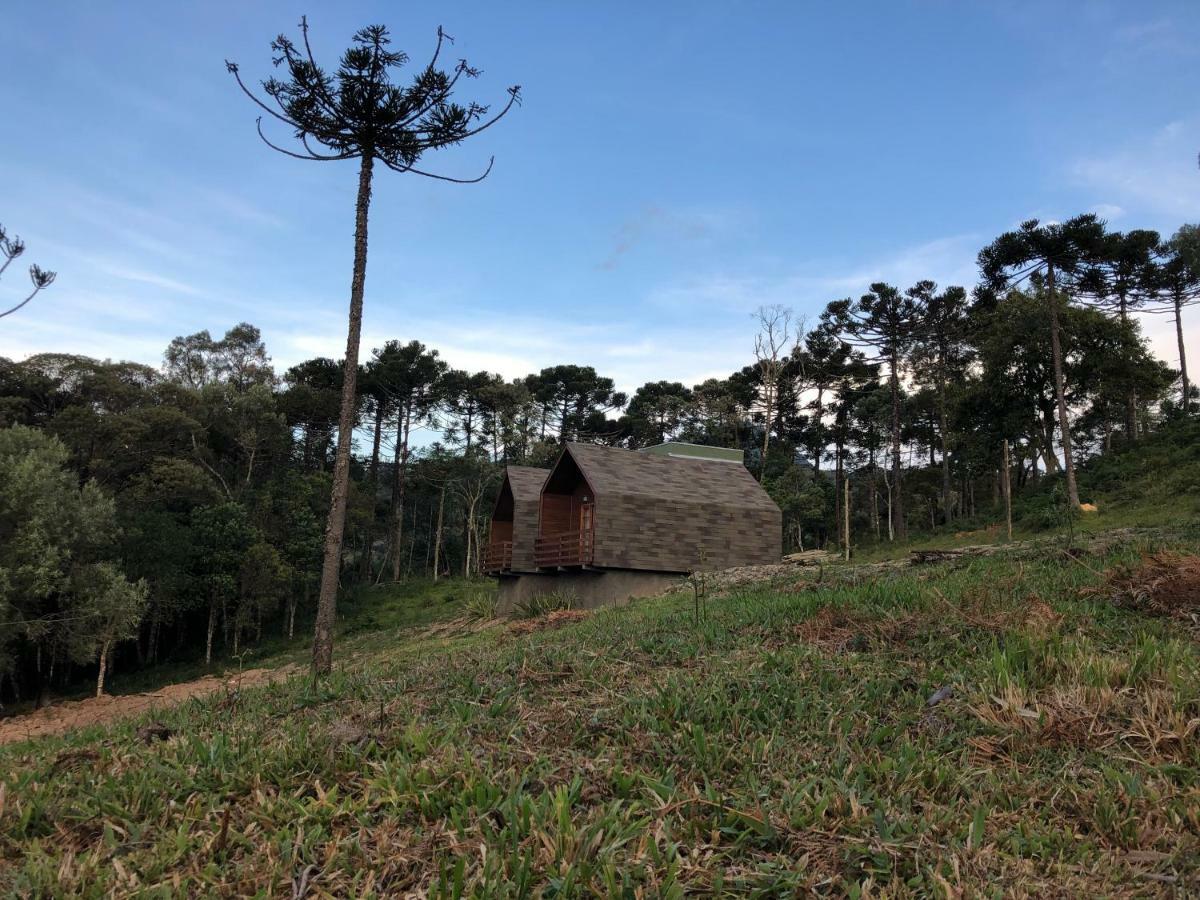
[140, 276]
[655, 222]
[232, 205]
[1155, 37]
[1154, 175]
[808, 286]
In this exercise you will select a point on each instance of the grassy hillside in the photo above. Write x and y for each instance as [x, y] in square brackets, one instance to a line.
[1154, 484]
[784, 742]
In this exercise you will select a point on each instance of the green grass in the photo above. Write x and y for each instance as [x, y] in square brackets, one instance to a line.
[1154, 484]
[782, 745]
[368, 616]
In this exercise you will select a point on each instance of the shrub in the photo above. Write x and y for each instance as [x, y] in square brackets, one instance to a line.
[481, 604]
[544, 604]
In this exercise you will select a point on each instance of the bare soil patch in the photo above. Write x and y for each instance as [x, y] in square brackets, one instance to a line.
[835, 629]
[556, 619]
[68, 715]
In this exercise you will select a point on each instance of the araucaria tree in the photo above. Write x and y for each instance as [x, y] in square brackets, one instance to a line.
[10, 248]
[886, 321]
[1176, 280]
[1053, 255]
[360, 113]
[941, 355]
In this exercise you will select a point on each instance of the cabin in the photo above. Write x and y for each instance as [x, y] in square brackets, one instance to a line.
[613, 523]
[515, 521]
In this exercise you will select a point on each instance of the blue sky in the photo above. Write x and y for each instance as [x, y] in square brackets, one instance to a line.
[674, 166]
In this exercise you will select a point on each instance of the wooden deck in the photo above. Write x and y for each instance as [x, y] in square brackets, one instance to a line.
[498, 557]
[566, 548]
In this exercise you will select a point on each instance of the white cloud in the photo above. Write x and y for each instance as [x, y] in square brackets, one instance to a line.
[41, 328]
[1109, 212]
[644, 347]
[810, 285]
[1160, 332]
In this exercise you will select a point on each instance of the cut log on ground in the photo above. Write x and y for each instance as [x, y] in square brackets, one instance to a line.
[810, 557]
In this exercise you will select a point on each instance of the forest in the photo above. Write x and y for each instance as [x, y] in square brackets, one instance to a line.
[151, 514]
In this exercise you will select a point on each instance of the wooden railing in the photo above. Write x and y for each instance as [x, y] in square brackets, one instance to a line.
[497, 557]
[567, 548]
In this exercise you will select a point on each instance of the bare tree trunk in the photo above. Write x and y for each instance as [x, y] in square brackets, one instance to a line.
[1186, 385]
[770, 402]
[212, 627]
[399, 486]
[412, 541]
[943, 428]
[437, 540]
[43, 683]
[818, 420]
[846, 517]
[322, 661]
[104, 648]
[1047, 444]
[770, 346]
[1131, 398]
[837, 485]
[874, 497]
[1007, 489]
[887, 484]
[429, 538]
[900, 528]
[1060, 391]
[467, 554]
[368, 545]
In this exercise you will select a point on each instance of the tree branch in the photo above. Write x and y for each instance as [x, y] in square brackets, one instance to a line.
[485, 174]
[306, 156]
[514, 96]
[32, 294]
[233, 68]
[215, 473]
[326, 99]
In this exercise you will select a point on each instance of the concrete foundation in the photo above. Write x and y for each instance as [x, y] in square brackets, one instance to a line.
[587, 589]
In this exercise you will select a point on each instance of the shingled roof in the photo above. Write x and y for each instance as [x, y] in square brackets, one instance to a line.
[612, 471]
[526, 481]
[666, 514]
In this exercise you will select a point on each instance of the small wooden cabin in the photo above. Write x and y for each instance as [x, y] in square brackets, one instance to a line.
[608, 508]
[515, 521]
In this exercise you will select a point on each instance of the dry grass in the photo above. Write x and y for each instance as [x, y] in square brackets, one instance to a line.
[1160, 584]
[556, 619]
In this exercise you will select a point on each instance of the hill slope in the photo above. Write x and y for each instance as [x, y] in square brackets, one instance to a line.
[1000, 725]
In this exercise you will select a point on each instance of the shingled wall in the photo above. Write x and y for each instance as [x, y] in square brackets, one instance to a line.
[525, 482]
[656, 513]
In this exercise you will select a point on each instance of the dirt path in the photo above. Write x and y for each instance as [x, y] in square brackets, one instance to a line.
[67, 715]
